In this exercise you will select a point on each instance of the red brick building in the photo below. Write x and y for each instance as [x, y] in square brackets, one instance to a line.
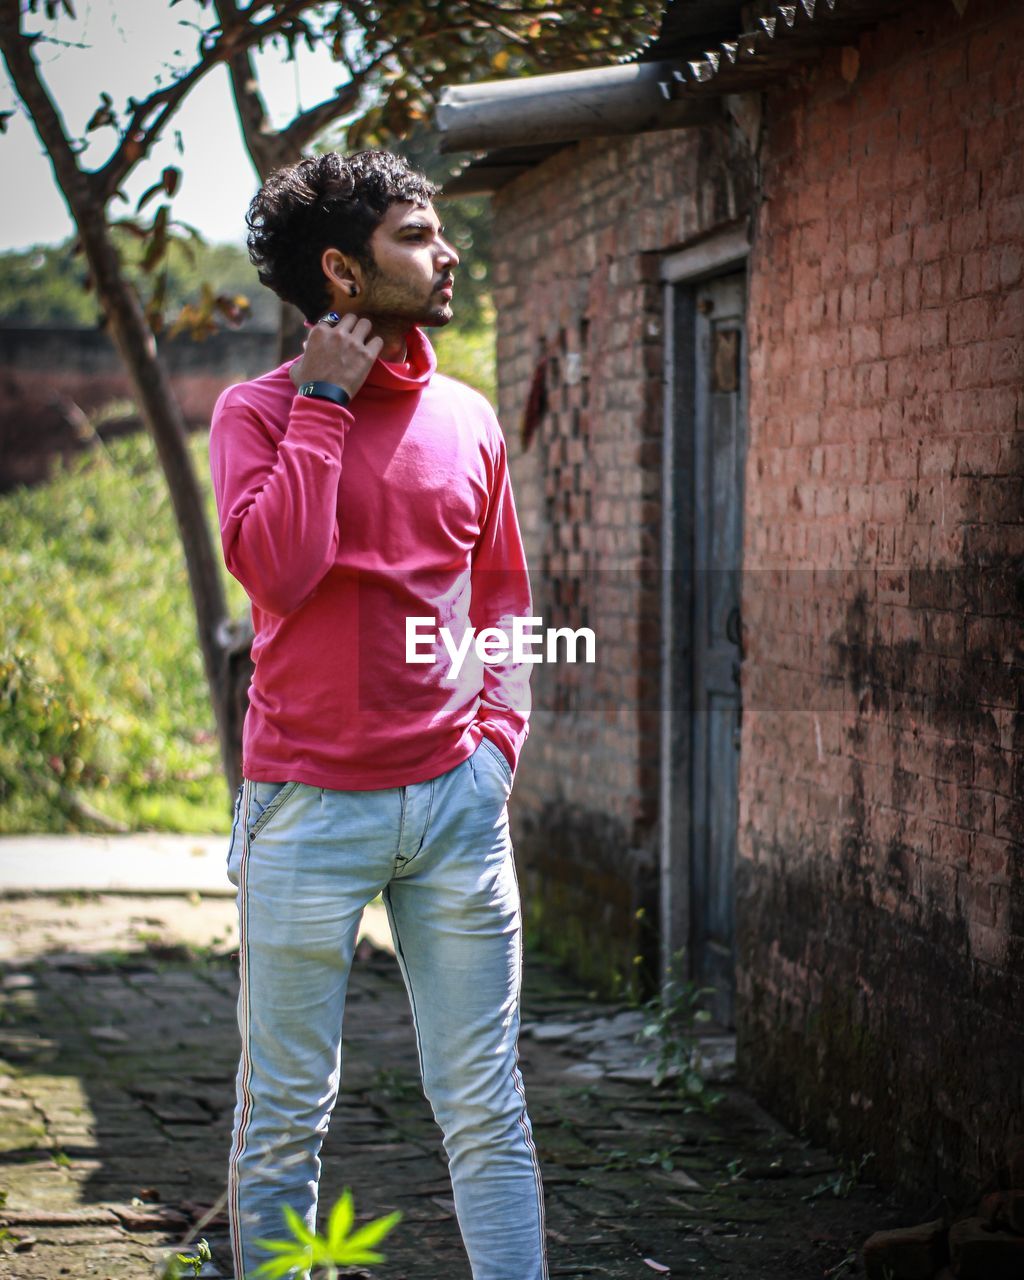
[761, 373]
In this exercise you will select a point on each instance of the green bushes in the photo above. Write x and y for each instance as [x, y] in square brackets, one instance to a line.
[103, 700]
[468, 354]
[45, 738]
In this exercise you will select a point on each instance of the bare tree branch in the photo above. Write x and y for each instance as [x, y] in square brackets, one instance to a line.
[138, 137]
[270, 148]
[305, 127]
[142, 131]
[253, 115]
[251, 106]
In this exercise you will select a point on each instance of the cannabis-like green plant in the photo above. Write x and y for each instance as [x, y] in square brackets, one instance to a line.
[669, 1021]
[307, 1251]
[842, 1181]
[179, 1264]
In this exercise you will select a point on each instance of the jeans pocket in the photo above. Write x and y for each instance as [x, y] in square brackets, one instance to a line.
[496, 754]
[265, 799]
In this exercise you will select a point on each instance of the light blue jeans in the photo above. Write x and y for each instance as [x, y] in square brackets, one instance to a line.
[305, 862]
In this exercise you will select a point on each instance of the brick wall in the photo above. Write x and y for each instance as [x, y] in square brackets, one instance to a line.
[881, 875]
[576, 273]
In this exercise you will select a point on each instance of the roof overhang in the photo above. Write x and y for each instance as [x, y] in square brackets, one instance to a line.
[514, 124]
[570, 106]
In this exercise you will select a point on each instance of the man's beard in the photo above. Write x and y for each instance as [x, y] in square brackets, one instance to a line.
[393, 304]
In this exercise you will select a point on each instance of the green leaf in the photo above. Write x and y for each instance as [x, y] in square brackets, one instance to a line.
[307, 1249]
[340, 1222]
[275, 1268]
[373, 1233]
[278, 1246]
[299, 1229]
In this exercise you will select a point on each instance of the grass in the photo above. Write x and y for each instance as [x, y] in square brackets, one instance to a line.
[104, 695]
[103, 699]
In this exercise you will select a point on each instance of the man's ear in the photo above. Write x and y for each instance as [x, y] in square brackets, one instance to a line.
[342, 272]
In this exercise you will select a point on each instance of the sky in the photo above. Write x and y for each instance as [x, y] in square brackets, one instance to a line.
[125, 46]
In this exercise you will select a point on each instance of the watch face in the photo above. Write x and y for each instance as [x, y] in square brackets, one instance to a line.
[306, 389]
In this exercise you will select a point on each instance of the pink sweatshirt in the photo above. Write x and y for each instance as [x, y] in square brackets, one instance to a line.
[341, 524]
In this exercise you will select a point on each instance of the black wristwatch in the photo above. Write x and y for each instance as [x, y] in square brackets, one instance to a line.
[325, 391]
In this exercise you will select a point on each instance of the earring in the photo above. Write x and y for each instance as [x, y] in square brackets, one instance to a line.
[352, 291]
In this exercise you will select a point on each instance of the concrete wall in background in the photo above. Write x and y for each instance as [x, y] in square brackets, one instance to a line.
[50, 377]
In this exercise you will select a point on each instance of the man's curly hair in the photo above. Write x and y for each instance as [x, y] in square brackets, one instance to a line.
[328, 201]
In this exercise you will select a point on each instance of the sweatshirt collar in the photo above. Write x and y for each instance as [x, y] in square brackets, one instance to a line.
[413, 373]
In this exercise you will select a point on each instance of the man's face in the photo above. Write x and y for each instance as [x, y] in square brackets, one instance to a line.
[411, 276]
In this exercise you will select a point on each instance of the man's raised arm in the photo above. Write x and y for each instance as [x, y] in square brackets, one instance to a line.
[277, 496]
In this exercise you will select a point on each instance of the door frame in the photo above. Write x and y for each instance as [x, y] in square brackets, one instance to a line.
[720, 254]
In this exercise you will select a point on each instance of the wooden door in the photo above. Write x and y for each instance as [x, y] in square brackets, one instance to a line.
[719, 424]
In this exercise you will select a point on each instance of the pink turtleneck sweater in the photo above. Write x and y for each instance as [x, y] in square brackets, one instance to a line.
[341, 524]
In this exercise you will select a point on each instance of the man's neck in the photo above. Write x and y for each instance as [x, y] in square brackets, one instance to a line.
[395, 349]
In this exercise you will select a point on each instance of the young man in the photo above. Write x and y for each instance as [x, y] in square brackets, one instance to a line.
[357, 489]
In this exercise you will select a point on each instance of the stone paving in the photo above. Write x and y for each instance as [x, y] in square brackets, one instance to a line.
[117, 1056]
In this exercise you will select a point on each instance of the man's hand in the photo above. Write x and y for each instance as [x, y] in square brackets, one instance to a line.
[338, 351]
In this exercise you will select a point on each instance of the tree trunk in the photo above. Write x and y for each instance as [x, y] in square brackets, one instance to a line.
[225, 649]
[162, 415]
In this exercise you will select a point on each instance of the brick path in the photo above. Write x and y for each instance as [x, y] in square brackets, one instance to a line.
[117, 1055]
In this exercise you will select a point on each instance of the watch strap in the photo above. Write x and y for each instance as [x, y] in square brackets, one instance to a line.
[325, 391]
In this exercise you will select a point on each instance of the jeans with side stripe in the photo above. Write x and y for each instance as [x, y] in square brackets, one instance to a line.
[306, 861]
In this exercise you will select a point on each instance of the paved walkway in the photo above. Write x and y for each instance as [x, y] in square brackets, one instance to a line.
[117, 1055]
[143, 863]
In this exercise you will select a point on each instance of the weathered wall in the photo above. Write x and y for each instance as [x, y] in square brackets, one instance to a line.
[576, 275]
[881, 875]
[48, 375]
